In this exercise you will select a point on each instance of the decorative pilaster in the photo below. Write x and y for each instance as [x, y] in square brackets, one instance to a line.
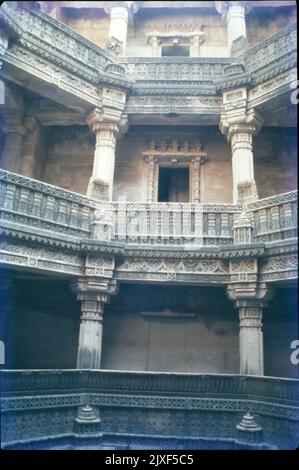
[107, 123]
[120, 15]
[152, 177]
[30, 147]
[234, 13]
[239, 125]
[93, 294]
[15, 132]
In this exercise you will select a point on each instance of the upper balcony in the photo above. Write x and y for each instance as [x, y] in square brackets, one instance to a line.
[71, 70]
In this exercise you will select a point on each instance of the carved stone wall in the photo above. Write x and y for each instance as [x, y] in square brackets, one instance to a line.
[47, 329]
[92, 24]
[262, 24]
[280, 327]
[275, 161]
[70, 157]
[131, 171]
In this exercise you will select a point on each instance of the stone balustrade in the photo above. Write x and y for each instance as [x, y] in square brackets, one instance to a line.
[34, 206]
[163, 404]
[274, 218]
[272, 56]
[174, 69]
[172, 223]
[29, 205]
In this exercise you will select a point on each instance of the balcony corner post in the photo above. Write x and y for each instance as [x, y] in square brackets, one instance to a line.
[107, 124]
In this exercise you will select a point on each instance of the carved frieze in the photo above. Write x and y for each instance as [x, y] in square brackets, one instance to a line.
[44, 259]
[276, 268]
[172, 270]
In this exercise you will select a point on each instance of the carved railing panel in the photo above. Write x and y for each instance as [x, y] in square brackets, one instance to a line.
[274, 218]
[42, 34]
[172, 223]
[170, 70]
[43, 404]
[37, 206]
[274, 55]
[34, 206]
[38, 382]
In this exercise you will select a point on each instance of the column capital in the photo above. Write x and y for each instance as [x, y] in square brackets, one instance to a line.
[224, 7]
[250, 294]
[129, 6]
[240, 121]
[97, 288]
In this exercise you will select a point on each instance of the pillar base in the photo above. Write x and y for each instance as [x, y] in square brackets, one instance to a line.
[247, 192]
[98, 190]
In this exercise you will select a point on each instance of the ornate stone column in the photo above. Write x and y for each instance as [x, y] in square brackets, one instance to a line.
[93, 294]
[3, 48]
[239, 125]
[120, 14]
[250, 300]
[15, 131]
[251, 336]
[234, 13]
[107, 124]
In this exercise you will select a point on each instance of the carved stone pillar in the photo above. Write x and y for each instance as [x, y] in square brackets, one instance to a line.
[239, 125]
[120, 13]
[93, 294]
[240, 136]
[251, 336]
[234, 13]
[3, 46]
[250, 300]
[15, 131]
[104, 161]
[107, 125]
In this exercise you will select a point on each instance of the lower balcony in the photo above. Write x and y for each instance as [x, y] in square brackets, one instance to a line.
[134, 410]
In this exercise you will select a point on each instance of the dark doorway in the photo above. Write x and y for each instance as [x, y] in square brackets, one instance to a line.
[173, 185]
[175, 51]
